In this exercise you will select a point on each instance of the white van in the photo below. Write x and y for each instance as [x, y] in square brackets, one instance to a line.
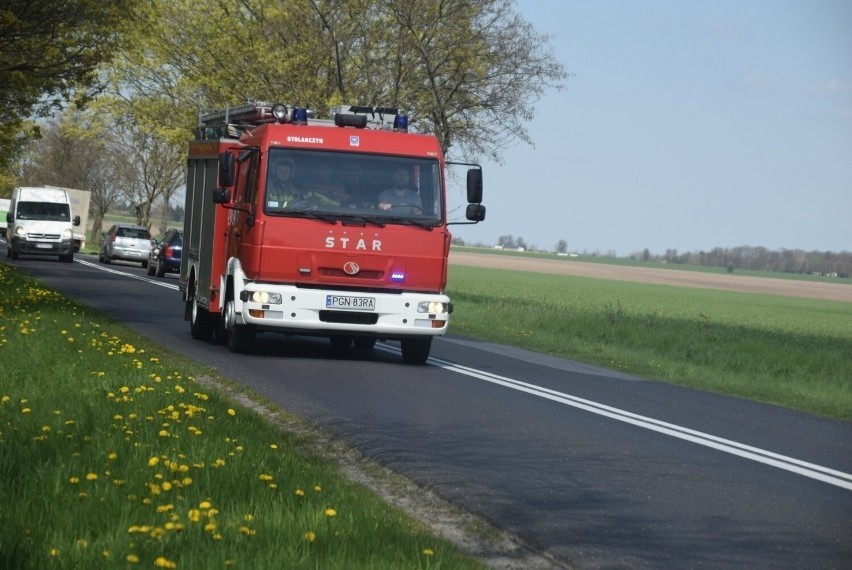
[39, 223]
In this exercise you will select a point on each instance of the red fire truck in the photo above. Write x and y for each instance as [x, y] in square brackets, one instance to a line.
[325, 227]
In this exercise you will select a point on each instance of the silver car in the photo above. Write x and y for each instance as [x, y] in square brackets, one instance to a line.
[125, 242]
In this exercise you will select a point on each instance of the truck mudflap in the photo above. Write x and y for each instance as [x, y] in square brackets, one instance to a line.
[392, 316]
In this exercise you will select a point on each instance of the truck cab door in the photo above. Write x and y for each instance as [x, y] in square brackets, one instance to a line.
[242, 221]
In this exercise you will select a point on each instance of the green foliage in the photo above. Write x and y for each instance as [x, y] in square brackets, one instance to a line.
[148, 466]
[787, 351]
[49, 52]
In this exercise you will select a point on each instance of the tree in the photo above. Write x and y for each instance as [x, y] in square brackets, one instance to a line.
[156, 166]
[73, 154]
[562, 246]
[469, 71]
[49, 52]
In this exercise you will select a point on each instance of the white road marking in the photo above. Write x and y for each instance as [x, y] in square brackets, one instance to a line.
[818, 472]
[125, 274]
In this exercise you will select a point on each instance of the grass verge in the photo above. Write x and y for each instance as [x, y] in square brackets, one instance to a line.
[787, 351]
[111, 454]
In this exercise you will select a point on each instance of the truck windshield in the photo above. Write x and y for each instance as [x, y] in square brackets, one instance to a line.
[46, 211]
[380, 189]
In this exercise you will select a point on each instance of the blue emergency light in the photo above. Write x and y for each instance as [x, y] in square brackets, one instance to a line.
[400, 123]
[300, 116]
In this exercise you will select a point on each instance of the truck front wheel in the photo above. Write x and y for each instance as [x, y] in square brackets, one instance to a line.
[239, 337]
[416, 350]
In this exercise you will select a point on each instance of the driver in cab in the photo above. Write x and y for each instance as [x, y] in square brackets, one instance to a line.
[400, 198]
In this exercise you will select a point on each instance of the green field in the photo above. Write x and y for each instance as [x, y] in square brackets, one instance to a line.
[783, 350]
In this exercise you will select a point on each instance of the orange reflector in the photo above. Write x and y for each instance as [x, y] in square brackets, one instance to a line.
[256, 313]
[438, 324]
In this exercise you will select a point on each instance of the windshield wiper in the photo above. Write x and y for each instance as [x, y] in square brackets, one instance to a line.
[330, 218]
[425, 224]
[363, 220]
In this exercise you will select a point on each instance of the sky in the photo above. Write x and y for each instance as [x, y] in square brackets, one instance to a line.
[684, 125]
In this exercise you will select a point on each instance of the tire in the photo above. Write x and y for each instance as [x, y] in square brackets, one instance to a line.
[201, 323]
[150, 270]
[159, 270]
[13, 253]
[340, 342]
[416, 350]
[364, 343]
[67, 258]
[145, 264]
[240, 338]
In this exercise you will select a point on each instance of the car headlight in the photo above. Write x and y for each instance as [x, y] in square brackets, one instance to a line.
[67, 234]
[20, 231]
[265, 297]
[432, 307]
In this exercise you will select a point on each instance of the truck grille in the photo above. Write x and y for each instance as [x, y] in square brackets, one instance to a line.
[365, 274]
[42, 236]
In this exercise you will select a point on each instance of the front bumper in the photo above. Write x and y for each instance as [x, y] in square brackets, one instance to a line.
[42, 247]
[305, 311]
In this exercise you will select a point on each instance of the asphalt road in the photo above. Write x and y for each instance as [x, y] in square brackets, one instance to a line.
[595, 468]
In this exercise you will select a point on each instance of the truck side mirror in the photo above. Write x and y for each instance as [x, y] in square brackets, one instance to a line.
[226, 169]
[76, 220]
[9, 218]
[475, 212]
[221, 196]
[474, 186]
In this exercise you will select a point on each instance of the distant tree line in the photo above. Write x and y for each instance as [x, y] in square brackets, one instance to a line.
[747, 257]
[761, 259]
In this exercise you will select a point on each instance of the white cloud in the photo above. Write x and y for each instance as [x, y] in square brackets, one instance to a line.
[834, 87]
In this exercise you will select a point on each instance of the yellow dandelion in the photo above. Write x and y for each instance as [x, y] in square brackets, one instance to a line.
[232, 412]
[205, 505]
[428, 551]
[194, 515]
[310, 536]
[153, 461]
[300, 493]
[132, 559]
[163, 562]
[54, 552]
[329, 512]
[91, 476]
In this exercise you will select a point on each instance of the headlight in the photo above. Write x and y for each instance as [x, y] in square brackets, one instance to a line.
[432, 307]
[19, 231]
[265, 298]
[67, 234]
